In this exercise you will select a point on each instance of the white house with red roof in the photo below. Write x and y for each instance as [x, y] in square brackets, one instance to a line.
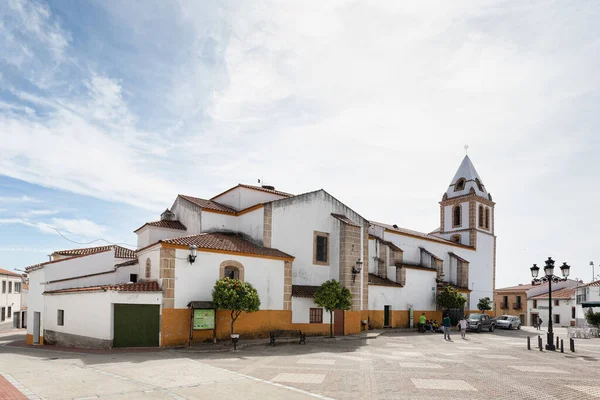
[588, 299]
[11, 316]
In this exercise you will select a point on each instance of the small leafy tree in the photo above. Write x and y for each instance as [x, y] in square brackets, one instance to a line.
[593, 318]
[449, 297]
[485, 304]
[332, 295]
[236, 296]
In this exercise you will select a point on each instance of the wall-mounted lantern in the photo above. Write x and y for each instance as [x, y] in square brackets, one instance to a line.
[193, 253]
[356, 269]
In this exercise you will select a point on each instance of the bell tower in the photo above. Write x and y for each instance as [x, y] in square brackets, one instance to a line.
[466, 207]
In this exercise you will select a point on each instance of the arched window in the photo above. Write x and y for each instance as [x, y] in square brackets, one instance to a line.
[232, 269]
[459, 185]
[479, 185]
[481, 216]
[148, 269]
[231, 272]
[456, 216]
[487, 218]
[455, 238]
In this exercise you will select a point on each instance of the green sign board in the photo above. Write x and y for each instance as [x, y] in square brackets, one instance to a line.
[204, 319]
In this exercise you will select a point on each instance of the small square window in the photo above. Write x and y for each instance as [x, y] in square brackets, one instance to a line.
[133, 278]
[316, 315]
[17, 287]
[557, 318]
[61, 318]
[556, 302]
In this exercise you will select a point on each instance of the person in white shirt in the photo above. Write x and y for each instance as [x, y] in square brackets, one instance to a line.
[462, 324]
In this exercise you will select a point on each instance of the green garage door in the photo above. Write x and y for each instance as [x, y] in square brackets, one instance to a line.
[136, 325]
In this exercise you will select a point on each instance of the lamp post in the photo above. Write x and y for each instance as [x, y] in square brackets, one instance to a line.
[549, 277]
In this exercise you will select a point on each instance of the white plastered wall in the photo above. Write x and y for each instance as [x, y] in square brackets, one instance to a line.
[90, 314]
[241, 198]
[301, 310]
[417, 293]
[195, 282]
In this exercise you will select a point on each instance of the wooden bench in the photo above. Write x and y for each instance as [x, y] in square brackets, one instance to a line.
[280, 333]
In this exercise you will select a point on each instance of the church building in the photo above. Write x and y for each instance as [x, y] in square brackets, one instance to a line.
[285, 245]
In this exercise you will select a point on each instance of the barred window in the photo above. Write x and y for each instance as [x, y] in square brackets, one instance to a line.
[316, 315]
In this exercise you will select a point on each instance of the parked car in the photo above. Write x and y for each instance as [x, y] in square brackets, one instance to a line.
[479, 322]
[508, 322]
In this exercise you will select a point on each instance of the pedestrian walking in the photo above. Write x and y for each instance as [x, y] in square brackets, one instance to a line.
[422, 320]
[462, 324]
[447, 325]
[539, 323]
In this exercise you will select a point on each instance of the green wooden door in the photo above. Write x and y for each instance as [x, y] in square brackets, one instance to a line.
[136, 325]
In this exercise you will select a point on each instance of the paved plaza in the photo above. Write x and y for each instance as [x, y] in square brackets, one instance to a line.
[395, 365]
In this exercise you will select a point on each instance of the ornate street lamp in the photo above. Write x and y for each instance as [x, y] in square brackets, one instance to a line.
[356, 269]
[549, 277]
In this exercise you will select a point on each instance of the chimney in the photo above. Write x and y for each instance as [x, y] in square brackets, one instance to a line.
[167, 215]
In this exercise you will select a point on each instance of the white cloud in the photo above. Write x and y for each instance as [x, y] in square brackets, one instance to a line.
[37, 213]
[373, 102]
[18, 199]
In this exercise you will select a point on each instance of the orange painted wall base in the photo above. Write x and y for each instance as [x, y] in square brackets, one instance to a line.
[400, 318]
[29, 339]
[175, 325]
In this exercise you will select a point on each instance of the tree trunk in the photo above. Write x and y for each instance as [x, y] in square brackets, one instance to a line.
[232, 321]
[330, 323]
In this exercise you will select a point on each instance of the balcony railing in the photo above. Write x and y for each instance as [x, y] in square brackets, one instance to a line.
[504, 306]
[517, 306]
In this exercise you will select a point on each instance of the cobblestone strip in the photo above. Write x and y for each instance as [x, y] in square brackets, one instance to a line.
[17, 391]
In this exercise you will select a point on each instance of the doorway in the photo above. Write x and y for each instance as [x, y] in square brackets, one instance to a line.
[36, 327]
[338, 322]
[534, 318]
[136, 325]
[386, 316]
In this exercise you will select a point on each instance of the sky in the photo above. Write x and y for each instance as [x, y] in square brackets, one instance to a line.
[109, 109]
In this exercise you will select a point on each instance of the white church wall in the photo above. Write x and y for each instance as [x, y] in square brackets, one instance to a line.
[293, 227]
[195, 282]
[152, 234]
[252, 224]
[241, 198]
[189, 215]
[212, 221]
[301, 310]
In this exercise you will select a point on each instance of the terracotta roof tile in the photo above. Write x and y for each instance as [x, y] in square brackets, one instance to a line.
[259, 188]
[416, 233]
[164, 224]
[127, 263]
[377, 280]
[9, 273]
[595, 283]
[147, 286]
[564, 293]
[344, 219]
[120, 252]
[226, 242]
[523, 287]
[303, 291]
[208, 204]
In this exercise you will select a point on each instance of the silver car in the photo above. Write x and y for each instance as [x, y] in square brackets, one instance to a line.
[508, 322]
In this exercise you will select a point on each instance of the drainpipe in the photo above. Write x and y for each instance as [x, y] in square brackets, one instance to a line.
[365, 264]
